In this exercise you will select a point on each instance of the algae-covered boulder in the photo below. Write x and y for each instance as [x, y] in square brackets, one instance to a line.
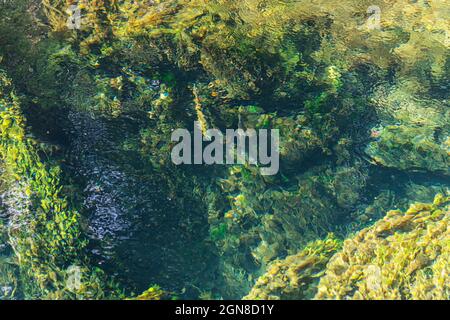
[296, 276]
[403, 256]
[410, 148]
[9, 281]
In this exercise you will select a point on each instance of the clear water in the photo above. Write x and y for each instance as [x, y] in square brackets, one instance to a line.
[362, 108]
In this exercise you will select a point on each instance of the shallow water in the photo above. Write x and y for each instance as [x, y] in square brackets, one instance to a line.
[361, 102]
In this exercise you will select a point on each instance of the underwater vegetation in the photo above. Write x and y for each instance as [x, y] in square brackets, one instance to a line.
[296, 276]
[90, 92]
[45, 235]
[403, 256]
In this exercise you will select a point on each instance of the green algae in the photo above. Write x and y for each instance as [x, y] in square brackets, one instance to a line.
[410, 148]
[403, 256]
[296, 276]
[50, 239]
[361, 113]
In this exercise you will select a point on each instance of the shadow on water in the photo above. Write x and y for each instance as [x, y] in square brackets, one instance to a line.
[138, 233]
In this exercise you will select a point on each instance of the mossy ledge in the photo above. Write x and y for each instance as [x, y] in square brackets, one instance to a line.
[46, 236]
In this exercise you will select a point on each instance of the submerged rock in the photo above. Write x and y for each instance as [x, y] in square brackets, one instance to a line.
[403, 256]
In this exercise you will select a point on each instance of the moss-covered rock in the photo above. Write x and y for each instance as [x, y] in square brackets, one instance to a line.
[410, 148]
[296, 276]
[319, 71]
[403, 256]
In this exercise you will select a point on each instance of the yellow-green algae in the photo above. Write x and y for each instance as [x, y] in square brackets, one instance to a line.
[296, 276]
[410, 148]
[305, 62]
[46, 237]
[152, 293]
[403, 256]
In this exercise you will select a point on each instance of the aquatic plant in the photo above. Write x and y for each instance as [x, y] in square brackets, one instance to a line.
[402, 256]
[46, 238]
[409, 148]
[266, 222]
[352, 100]
[296, 276]
[152, 293]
